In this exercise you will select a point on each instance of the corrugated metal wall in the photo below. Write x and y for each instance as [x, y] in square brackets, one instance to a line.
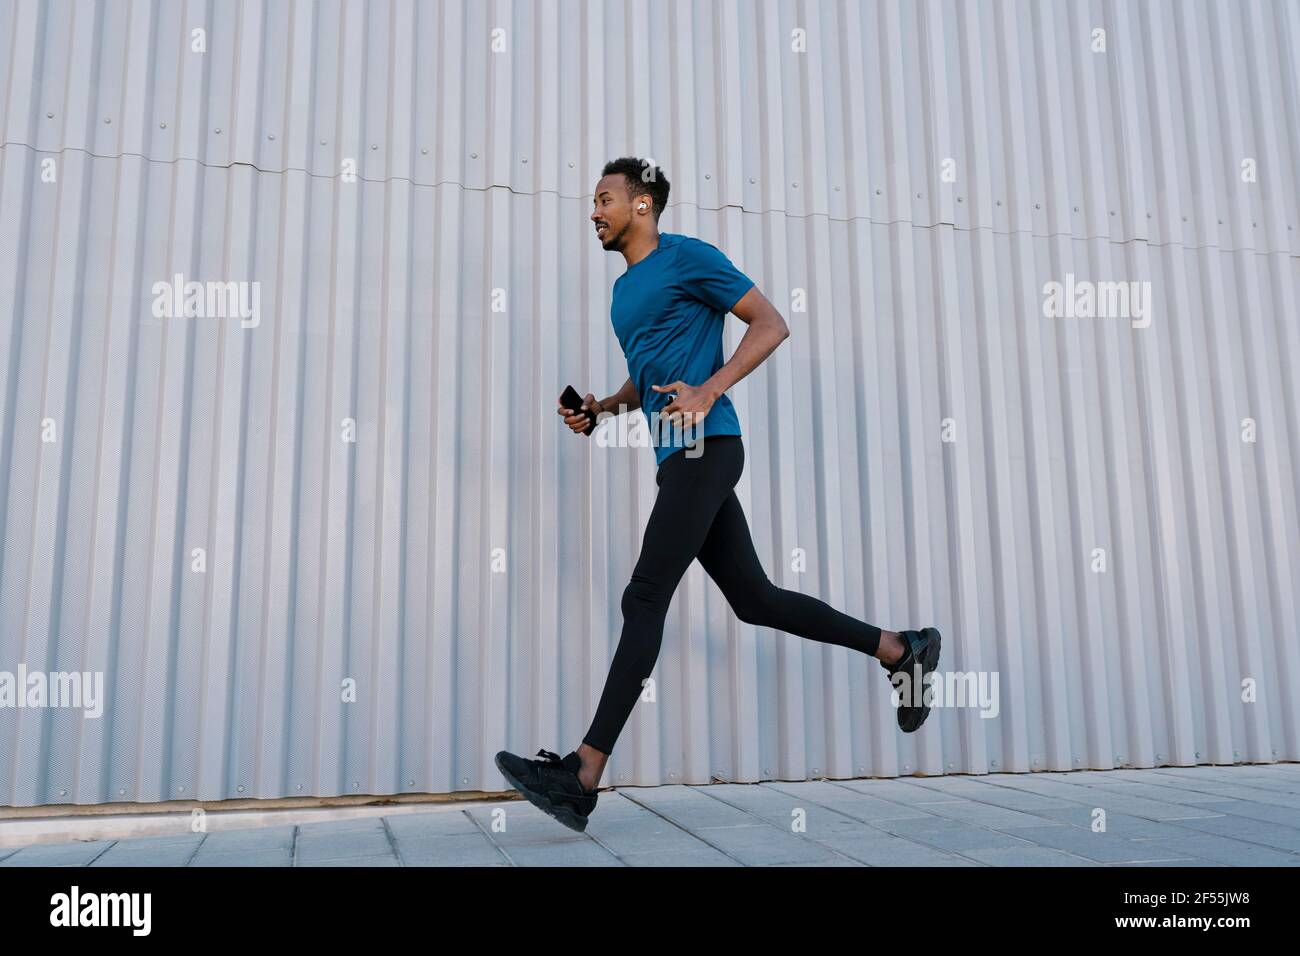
[918, 170]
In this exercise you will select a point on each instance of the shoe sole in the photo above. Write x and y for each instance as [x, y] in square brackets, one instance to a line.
[542, 802]
[929, 663]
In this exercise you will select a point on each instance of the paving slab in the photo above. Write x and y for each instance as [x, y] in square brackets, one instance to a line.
[258, 858]
[468, 849]
[699, 856]
[319, 847]
[951, 835]
[1225, 850]
[1171, 816]
[1099, 847]
[895, 851]
[567, 853]
[58, 854]
[251, 840]
[164, 854]
[763, 845]
[1249, 830]
[1028, 856]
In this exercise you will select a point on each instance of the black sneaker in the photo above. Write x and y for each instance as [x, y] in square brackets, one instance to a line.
[908, 675]
[551, 785]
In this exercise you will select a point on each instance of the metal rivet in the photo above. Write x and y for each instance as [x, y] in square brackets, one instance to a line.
[751, 179]
[949, 765]
[218, 130]
[837, 188]
[918, 195]
[706, 176]
[240, 789]
[993, 764]
[1076, 208]
[1038, 205]
[1254, 225]
[672, 776]
[424, 151]
[51, 116]
[1198, 754]
[1220, 222]
[1184, 219]
[877, 192]
[64, 793]
[473, 155]
[108, 119]
[464, 779]
[162, 125]
[299, 786]
[525, 159]
[570, 165]
[814, 770]
[121, 793]
[1148, 215]
[959, 199]
[270, 136]
[410, 783]
[322, 142]
[355, 784]
[999, 202]
[374, 146]
[1112, 212]
[180, 789]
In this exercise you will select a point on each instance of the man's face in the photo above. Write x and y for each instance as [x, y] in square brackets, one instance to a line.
[612, 211]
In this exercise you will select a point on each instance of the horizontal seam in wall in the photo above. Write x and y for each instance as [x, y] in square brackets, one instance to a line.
[752, 212]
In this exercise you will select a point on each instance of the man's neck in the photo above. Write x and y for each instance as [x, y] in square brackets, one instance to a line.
[640, 248]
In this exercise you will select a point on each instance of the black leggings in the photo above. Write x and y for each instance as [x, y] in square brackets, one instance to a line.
[697, 515]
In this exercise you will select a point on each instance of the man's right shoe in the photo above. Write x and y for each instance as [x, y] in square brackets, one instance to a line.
[551, 785]
[908, 675]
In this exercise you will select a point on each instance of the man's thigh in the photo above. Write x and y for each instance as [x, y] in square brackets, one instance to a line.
[690, 494]
[727, 553]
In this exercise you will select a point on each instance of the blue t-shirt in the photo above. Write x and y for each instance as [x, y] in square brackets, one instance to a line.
[668, 311]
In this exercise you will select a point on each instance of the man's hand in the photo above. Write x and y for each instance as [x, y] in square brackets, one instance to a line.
[689, 407]
[575, 418]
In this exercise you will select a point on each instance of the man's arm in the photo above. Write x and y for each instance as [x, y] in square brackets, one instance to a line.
[627, 395]
[766, 331]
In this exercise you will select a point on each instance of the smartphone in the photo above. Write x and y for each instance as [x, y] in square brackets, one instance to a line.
[571, 399]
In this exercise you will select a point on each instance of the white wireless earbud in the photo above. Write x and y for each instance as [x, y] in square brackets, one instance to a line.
[642, 206]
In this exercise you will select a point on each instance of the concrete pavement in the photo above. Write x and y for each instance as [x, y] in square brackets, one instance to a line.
[1171, 816]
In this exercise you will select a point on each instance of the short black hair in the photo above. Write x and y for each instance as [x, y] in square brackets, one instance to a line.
[643, 179]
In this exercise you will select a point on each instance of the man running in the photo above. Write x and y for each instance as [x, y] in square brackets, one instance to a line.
[668, 310]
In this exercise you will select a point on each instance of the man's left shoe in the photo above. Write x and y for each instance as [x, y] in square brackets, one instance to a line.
[551, 785]
[921, 657]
